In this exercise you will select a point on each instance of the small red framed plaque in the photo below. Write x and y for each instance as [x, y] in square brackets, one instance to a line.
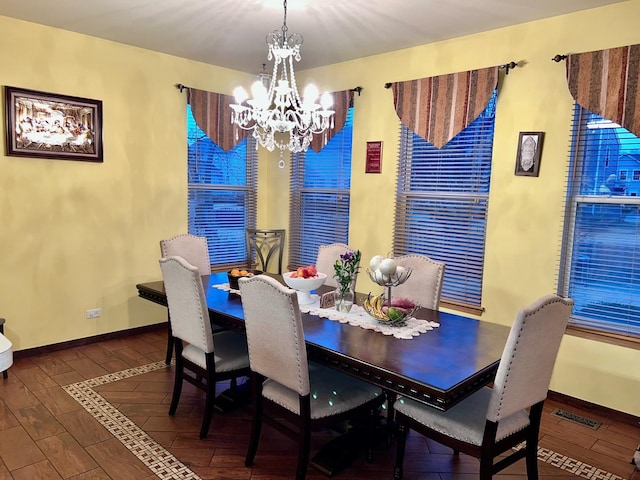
[374, 158]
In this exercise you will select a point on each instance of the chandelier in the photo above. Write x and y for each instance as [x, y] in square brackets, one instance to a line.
[276, 115]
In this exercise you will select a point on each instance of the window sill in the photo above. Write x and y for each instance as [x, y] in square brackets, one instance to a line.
[605, 337]
[462, 307]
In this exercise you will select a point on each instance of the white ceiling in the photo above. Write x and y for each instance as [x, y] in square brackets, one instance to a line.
[231, 33]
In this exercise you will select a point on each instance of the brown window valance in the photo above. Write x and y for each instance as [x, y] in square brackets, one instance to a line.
[606, 82]
[341, 102]
[212, 114]
[438, 108]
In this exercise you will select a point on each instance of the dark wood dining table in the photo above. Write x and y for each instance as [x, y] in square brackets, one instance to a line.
[439, 367]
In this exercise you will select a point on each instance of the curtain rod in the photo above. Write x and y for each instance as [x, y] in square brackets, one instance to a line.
[506, 67]
[181, 87]
[559, 58]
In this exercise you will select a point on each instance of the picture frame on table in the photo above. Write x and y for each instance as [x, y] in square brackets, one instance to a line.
[529, 153]
[53, 126]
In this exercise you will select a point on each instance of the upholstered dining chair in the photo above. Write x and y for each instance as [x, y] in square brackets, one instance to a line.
[494, 420]
[283, 383]
[263, 246]
[327, 257]
[425, 283]
[205, 357]
[194, 250]
[6, 351]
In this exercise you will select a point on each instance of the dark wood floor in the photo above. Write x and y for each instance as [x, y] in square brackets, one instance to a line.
[62, 415]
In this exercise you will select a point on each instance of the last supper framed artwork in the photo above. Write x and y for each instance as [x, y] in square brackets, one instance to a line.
[49, 125]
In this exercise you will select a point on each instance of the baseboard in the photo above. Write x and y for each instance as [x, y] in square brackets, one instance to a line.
[56, 347]
[606, 412]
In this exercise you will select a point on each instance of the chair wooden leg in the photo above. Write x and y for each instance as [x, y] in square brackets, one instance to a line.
[304, 443]
[391, 400]
[532, 461]
[210, 399]
[170, 341]
[256, 424]
[371, 440]
[531, 454]
[178, 378]
[402, 432]
[486, 467]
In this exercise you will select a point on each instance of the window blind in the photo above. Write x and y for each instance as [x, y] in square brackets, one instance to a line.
[600, 270]
[221, 194]
[442, 200]
[320, 185]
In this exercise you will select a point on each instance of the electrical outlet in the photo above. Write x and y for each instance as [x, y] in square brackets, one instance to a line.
[94, 313]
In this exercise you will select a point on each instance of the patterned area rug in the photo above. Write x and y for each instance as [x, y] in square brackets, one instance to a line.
[168, 467]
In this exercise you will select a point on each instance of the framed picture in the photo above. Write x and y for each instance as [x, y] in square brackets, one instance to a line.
[373, 163]
[47, 125]
[528, 157]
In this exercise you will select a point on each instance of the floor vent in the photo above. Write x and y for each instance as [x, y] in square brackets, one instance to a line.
[572, 417]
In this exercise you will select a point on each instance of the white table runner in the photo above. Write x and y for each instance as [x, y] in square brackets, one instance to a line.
[358, 317]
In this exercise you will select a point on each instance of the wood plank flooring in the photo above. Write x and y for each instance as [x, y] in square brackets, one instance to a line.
[99, 412]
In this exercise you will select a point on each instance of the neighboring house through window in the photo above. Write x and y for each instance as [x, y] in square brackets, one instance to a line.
[600, 270]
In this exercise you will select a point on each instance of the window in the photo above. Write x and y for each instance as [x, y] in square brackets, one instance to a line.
[622, 175]
[601, 246]
[636, 175]
[441, 209]
[222, 194]
[320, 184]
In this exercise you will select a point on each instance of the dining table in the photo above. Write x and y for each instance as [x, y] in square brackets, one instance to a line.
[439, 367]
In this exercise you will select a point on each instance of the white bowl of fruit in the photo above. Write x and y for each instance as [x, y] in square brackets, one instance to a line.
[304, 280]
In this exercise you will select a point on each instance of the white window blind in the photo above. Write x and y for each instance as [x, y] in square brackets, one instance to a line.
[222, 194]
[600, 270]
[441, 209]
[319, 210]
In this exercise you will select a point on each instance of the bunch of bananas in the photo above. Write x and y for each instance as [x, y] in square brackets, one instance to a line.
[397, 314]
[373, 306]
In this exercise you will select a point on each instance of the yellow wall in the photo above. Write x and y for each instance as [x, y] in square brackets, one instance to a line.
[80, 235]
[525, 214]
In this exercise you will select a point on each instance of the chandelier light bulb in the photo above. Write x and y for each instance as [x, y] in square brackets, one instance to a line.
[310, 94]
[326, 100]
[259, 93]
[240, 94]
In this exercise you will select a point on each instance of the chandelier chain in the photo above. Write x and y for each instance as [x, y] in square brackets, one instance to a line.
[285, 29]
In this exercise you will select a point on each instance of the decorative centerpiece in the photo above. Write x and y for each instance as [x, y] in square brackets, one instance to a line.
[386, 309]
[346, 269]
[304, 280]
